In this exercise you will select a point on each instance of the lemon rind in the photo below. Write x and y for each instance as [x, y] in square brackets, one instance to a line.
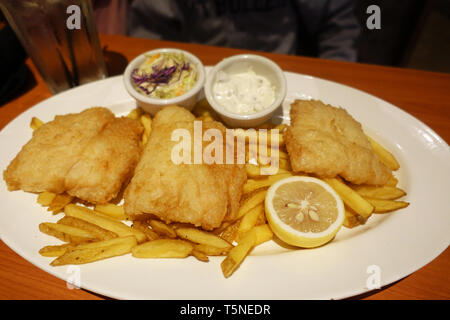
[298, 238]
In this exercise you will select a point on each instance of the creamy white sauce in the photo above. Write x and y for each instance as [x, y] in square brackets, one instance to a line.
[244, 92]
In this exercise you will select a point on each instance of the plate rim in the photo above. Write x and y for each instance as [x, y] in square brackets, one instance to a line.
[10, 242]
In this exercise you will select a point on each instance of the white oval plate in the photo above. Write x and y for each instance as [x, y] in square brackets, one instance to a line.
[387, 248]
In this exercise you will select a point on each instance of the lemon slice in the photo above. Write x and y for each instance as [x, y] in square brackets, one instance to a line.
[304, 211]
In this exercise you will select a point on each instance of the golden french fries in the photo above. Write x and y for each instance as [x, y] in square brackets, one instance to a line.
[96, 251]
[145, 228]
[230, 232]
[351, 198]
[46, 198]
[112, 210]
[205, 112]
[66, 233]
[200, 256]
[385, 156]
[266, 159]
[98, 232]
[135, 113]
[35, 123]
[284, 164]
[177, 225]
[351, 219]
[144, 139]
[223, 226]
[252, 185]
[206, 115]
[163, 248]
[202, 237]
[249, 220]
[281, 154]
[205, 118]
[103, 221]
[282, 127]
[54, 251]
[263, 233]
[162, 229]
[238, 254]
[146, 121]
[254, 171]
[383, 206]
[210, 250]
[59, 202]
[281, 142]
[261, 219]
[392, 182]
[257, 137]
[384, 192]
[255, 198]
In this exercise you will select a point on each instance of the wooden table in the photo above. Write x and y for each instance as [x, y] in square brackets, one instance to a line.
[425, 95]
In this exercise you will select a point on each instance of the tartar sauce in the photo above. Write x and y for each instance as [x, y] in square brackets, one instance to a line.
[244, 92]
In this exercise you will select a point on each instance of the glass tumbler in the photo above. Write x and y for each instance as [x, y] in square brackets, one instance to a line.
[61, 39]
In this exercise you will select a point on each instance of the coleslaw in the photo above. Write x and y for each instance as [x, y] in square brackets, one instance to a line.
[165, 75]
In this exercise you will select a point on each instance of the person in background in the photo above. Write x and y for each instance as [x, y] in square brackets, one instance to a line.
[111, 16]
[319, 28]
[15, 73]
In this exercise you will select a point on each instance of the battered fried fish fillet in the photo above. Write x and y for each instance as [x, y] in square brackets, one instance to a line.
[327, 141]
[77, 153]
[45, 160]
[200, 194]
[108, 160]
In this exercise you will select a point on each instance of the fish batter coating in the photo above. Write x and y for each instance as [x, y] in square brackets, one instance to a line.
[88, 154]
[201, 194]
[327, 141]
[108, 160]
[45, 160]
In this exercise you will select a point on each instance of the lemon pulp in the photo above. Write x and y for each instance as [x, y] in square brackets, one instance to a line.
[304, 211]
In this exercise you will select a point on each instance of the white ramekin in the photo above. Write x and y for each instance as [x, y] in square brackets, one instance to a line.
[153, 105]
[261, 66]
